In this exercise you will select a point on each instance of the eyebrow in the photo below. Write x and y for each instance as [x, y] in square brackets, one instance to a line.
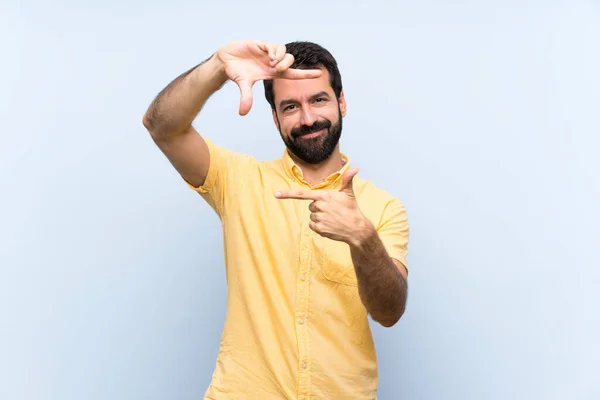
[286, 102]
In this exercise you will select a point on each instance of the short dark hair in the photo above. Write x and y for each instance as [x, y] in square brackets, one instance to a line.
[308, 55]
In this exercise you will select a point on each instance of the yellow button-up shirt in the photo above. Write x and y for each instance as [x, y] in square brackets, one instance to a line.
[295, 326]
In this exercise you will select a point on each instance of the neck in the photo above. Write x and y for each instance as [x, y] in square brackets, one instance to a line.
[316, 173]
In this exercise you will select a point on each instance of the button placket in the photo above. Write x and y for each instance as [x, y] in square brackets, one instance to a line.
[302, 308]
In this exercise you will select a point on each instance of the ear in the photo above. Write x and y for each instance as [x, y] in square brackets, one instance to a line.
[342, 102]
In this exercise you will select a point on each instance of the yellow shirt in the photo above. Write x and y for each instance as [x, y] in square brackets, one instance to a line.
[295, 325]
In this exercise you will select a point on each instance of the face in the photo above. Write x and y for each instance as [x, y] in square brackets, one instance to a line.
[309, 117]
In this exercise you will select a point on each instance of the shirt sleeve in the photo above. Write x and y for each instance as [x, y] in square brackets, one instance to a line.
[227, 172]
[394, 231]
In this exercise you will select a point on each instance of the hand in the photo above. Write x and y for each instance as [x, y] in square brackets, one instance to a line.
[334, 214]
[246, 62]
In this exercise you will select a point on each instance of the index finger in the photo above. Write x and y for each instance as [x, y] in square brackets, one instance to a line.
[299, 194]
[294, 73]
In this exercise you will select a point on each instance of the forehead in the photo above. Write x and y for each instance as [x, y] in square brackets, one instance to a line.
[299, 89]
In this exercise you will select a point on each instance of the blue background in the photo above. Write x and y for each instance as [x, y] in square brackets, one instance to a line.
[481, 116]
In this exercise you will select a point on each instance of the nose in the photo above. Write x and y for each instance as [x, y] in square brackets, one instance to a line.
[307, 117]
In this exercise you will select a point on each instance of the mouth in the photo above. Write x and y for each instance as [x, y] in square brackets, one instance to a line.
[313, 135]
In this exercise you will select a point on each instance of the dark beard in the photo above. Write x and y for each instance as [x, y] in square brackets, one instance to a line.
[318, 149]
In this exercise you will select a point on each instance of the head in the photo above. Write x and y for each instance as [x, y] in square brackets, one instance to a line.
[308, 112]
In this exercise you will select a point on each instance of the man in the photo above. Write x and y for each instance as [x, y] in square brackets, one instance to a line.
[311, 249]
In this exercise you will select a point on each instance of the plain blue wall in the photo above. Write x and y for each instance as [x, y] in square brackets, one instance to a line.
[481, 116]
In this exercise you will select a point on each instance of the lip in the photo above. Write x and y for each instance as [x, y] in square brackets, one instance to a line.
[313, 135]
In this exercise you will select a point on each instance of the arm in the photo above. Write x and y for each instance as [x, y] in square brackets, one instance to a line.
[169, 119]
[382, 281]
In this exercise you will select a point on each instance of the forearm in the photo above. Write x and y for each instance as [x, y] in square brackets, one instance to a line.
[176, 106]
[382, 288]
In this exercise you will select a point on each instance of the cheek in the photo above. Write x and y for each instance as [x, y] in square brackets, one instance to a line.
[333, 115]
[286, 125]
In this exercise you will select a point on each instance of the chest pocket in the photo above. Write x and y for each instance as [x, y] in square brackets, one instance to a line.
[337, 263]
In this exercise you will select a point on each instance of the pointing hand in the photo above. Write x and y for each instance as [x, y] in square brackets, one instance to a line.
[334, 213]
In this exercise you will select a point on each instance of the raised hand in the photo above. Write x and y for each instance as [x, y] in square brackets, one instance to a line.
[246, 62]
[334, 213]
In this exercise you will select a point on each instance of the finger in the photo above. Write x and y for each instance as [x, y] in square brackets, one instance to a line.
[299, 194]
[347, 181]
[271, 49]
[280, 50]
[271, 52]
[285, 62]
[317, 206]
[267, 48]
[301, 73]
[263, 46]
[315, 217]
[246, 96]
[314, 226]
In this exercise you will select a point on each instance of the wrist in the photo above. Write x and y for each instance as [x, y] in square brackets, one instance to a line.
[364, 231]
[216, 70]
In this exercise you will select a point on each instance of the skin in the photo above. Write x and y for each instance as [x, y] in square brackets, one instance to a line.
[169, 117]
[304, 102]
[382, 281]
[334, 213]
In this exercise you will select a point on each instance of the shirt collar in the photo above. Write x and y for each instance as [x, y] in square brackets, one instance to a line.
[295, 172]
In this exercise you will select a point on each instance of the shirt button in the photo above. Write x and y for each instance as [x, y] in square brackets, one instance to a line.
[302, 277]
[306, 233]
[301, 321]
[304, 365]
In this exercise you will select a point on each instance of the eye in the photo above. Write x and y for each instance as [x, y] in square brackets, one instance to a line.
[319, 99]
[288, 108]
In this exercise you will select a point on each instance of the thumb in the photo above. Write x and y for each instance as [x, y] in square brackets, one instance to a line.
[347, 181]
[246, 96]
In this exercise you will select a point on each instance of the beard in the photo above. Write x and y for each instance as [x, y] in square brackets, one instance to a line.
[318, 149]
